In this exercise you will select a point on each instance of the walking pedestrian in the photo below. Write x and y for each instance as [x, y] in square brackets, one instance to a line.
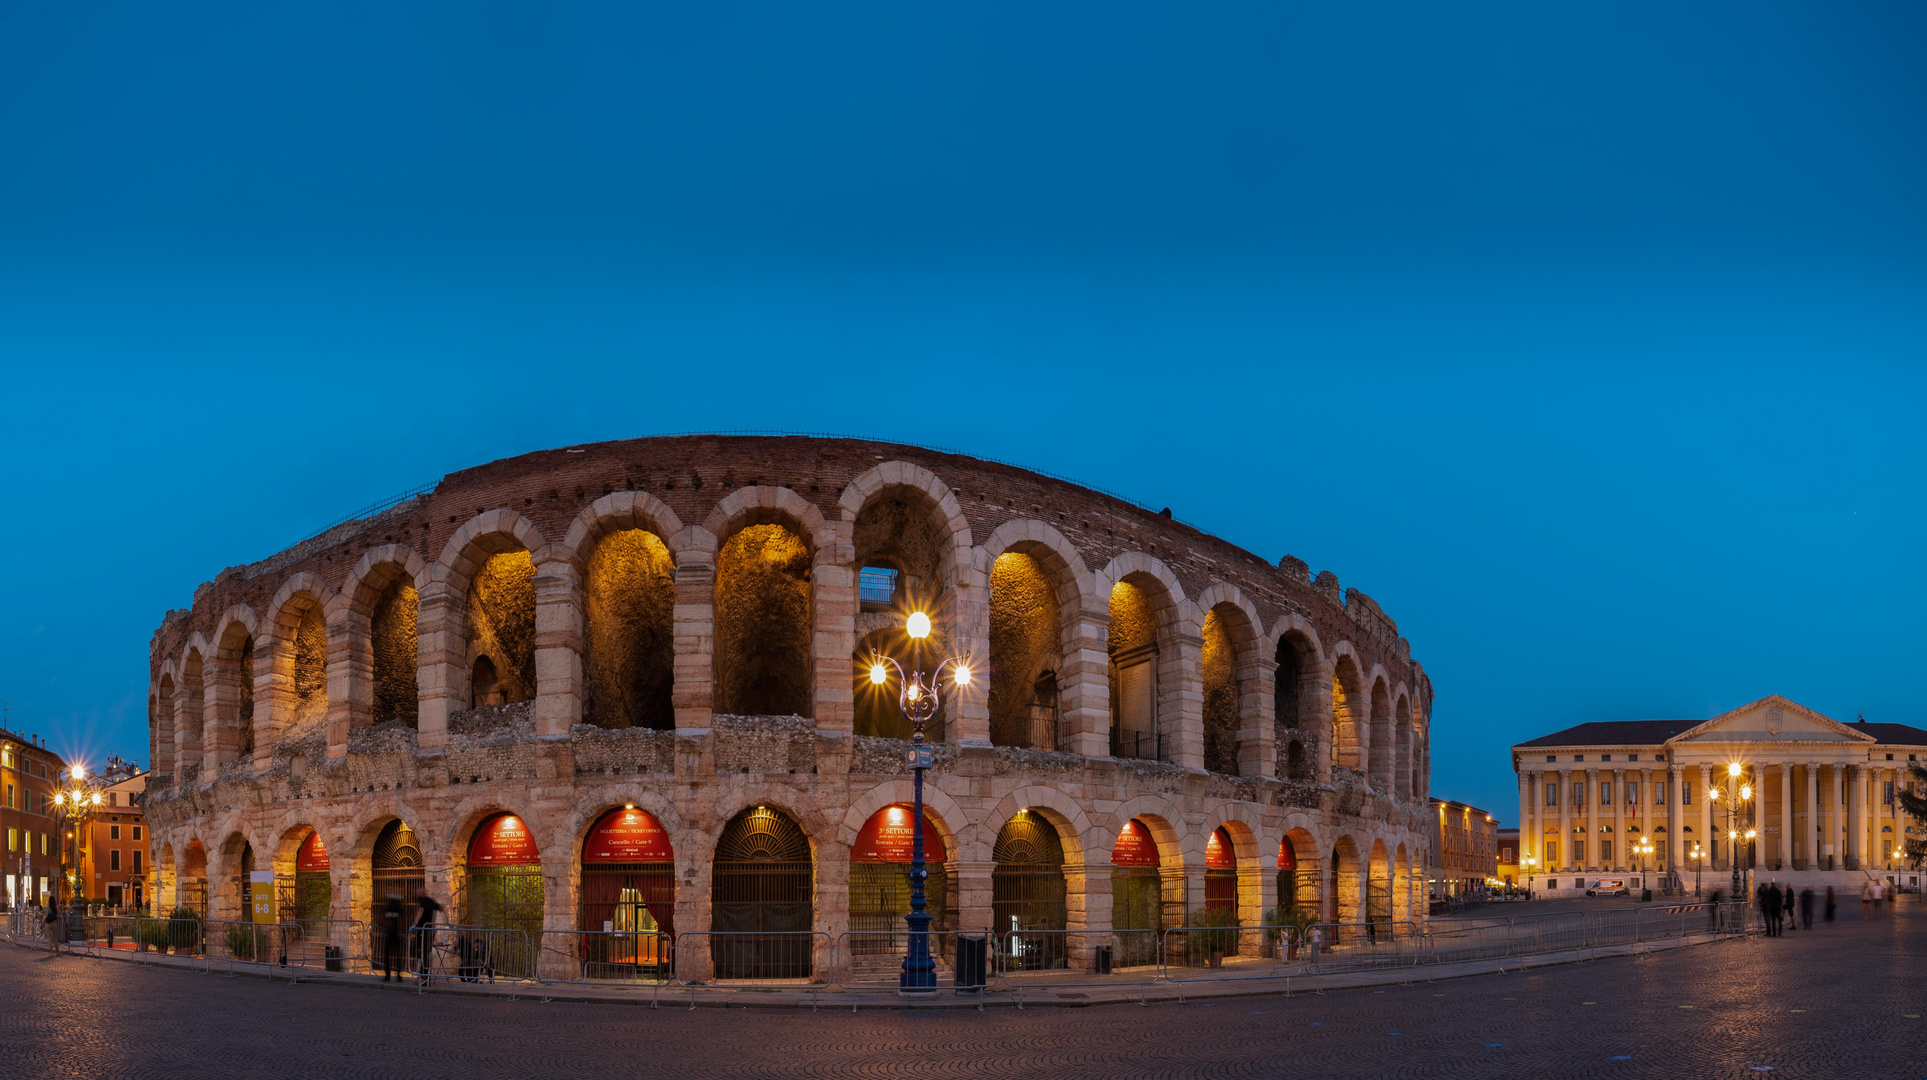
[1769, 912]
[1786, 906]
[1713, 911]
[53, 925]
[1866, 900]
[391, 923]
[1879, 899]
[421, 936]
[1830, 903]
[1806, 907]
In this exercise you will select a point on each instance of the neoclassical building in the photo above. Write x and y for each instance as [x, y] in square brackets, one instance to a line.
[622, 686]
[1823, 794]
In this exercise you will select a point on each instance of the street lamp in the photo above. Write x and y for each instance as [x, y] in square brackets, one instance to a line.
[920, 700]
[1735, 797]
[1531, 868]
[74, 802]
[1643, 849]
[1698, 857]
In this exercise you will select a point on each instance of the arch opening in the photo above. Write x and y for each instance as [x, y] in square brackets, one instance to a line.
[501, 630]
[1029, 892]
[1380, 742]
[1026, 651]
[880, 862]
[1137, 895]
[193, 881]
[878, 712]
[310, 668]
[397, 871]
[1221, 873]
[1220, 669]
[1348, 734]
[503, 891]
[629, 895]
[1133, 648]
[764, 631]
[760, 892]
[629, 633]
[392, 641]
[313, 891]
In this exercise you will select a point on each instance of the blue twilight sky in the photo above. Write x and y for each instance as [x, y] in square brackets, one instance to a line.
[1588, 339]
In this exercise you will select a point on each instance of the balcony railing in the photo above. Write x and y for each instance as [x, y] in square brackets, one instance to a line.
[1143, 745]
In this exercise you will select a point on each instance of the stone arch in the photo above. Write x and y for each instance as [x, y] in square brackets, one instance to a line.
[1345, 877]
[1381, 744]
[1350, 710]
[1072, 824]
[1301, 701]
[562, 843]
[230, 735]
[1378, 905]
[192, 880]
[1154, 672]
[190, 710]
[230, 891]
[166, 885]
[381, 613]
[760, 882]
[1401, 885]
[1074, 700]
[618, 512]
[1402, 755]
[950, 819]
[628, 621]
[1308, 873]
[937, 503]
[1237, 680]
[293, 691]
[164, 703]
[1244, 825]
[489, 569]
[772, 544]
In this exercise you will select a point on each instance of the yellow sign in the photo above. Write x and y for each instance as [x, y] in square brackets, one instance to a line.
[261, 890]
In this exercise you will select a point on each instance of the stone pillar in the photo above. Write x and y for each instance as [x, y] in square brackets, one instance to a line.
[1786, 817]
[1835, 832]
[968, 714]
[441, 653]
[1810, 834]
[187, 729]
[1084, 680]
[558, 648]
[1257, 720]
[1592, 820]
[1525, 816]
[1621, 857]
[1646, 813]
[972, 880]
[1565, 820]
[1180, 707]
[694, 631]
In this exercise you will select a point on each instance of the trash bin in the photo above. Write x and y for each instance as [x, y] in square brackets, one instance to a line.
[972, 954]
[332, 958]
[1646, 896]
[1101, 960]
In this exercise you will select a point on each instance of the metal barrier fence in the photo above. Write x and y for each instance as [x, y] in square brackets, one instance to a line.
[325, 946]
[231, 942]
[785, 959]
[470, 954]
[1037, 958]
[1365, 946]
[873, 959]
[644, 958]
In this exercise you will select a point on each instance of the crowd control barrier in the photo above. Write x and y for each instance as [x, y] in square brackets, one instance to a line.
[640, 958]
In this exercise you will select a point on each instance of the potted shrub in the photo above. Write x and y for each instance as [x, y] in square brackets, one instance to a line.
[1213, 934]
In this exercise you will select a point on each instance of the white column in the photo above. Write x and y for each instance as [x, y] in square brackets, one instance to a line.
[1565, 819]
[1856, 817]
[1786, 816]
[1620, 854]
[1708, 849]
[1835, 834]
[1592, 818]
[1811, 834]
[1646, 809]
[1675, 843]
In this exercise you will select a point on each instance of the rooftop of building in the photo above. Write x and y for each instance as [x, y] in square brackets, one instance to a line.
[1656, 732]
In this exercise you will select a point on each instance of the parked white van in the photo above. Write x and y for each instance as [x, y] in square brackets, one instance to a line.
[1608, 886]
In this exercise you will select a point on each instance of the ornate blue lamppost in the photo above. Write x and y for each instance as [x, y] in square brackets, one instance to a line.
[920, 700]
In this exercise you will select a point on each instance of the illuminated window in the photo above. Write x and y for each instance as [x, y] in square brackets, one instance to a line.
[13, 839]
[876, 587]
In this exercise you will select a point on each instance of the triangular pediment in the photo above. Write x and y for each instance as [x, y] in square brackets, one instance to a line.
[1772, 719]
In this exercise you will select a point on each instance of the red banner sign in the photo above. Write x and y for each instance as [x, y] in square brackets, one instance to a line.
[1287, 858]
[503, 840]
[627, 836]
[1218, 854]
[1134, 846]
[312, 857]
[888, 837]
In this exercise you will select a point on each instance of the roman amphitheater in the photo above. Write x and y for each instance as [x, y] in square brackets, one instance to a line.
[624, 686]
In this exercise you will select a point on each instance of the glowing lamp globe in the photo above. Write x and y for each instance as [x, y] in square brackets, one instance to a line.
[917, 625]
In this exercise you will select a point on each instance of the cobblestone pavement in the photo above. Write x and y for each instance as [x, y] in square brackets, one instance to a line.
[1844, 1001]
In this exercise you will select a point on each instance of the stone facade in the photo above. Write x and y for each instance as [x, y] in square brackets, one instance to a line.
[265, 731]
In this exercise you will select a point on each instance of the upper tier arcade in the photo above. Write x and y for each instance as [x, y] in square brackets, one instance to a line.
[657, 583]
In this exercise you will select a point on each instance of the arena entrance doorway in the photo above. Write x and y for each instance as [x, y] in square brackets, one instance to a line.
[760, 898]
[1028, 892]
[880, 882]
[628, 896]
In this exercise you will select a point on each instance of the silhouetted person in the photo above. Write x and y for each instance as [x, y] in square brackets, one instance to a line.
[1769, 909]
[1786, 906]
[392, 917]
[53, 925]
[1830, 902]
[1806, 908]
[420, 939]
[1713, 911]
